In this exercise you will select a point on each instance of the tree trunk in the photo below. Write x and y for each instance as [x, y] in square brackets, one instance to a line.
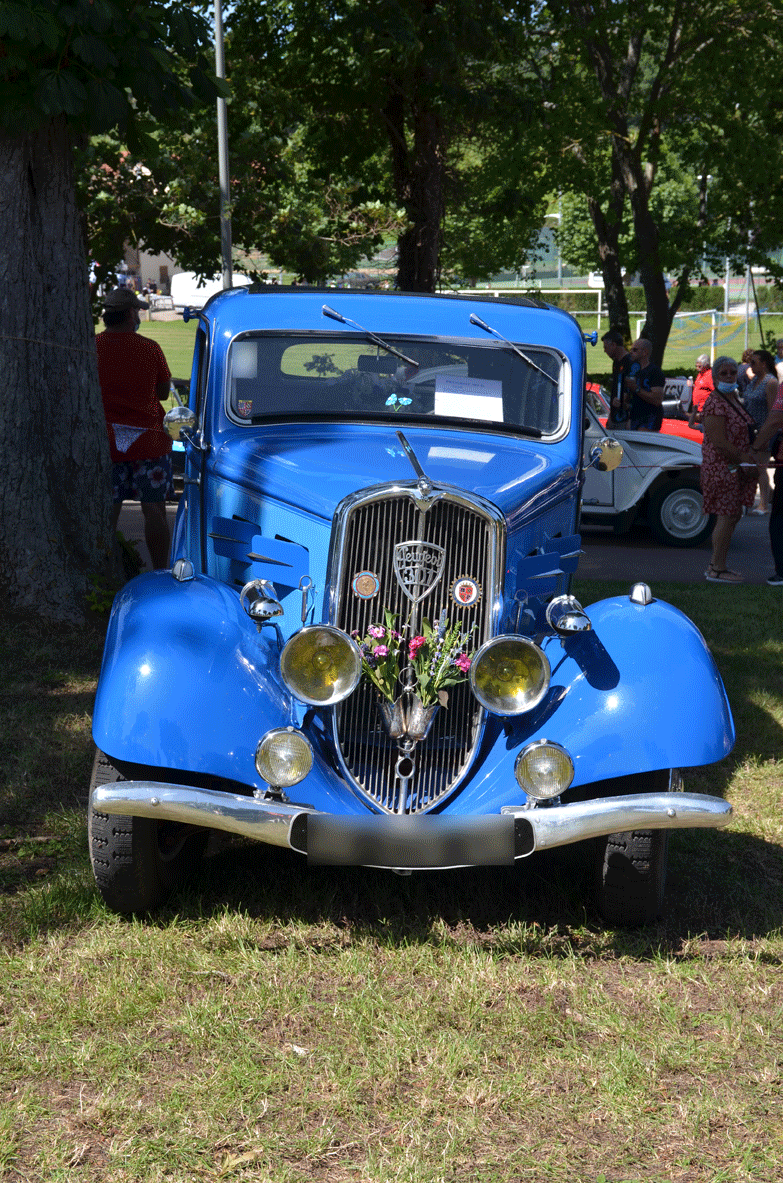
[659, 317]
[607, 228]
[55, 486]
[418, 181]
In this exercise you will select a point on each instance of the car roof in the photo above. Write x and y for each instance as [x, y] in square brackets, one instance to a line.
[269, 308]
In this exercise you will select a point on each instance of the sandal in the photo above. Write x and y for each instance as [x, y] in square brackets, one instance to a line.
[723, 576]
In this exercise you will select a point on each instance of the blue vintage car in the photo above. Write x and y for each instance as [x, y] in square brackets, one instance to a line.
[365, 649]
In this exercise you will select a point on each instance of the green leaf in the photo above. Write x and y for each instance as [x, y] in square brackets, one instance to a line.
[21, 22]
[61, 94]
[93, 51]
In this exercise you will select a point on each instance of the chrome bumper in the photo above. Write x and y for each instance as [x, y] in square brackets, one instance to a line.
[411, 843]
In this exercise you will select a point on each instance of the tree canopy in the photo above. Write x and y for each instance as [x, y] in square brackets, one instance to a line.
[635, 97]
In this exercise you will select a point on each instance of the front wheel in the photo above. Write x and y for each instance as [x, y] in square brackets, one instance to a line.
[676, 513]
[631, 866]
[137, 861]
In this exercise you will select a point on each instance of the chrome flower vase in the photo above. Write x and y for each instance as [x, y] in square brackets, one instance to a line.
[407, 721]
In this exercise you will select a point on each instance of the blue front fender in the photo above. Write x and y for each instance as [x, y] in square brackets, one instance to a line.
[640, 692]
[187, 682]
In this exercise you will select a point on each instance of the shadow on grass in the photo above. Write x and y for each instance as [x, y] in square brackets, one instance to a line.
[722, 887]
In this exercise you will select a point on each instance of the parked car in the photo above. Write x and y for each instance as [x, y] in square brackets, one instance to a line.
[657, 482]
[366, 649]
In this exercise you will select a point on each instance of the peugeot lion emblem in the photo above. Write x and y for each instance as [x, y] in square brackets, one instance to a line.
[418, 566]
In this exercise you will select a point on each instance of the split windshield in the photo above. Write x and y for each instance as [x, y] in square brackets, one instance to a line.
[274, 377]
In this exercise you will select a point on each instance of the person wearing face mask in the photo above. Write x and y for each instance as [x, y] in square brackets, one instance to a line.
[135, 380]
[728, 470]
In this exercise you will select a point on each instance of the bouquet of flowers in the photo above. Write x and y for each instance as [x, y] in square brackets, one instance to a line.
[440, 659]
[438, 656]
[380, 649]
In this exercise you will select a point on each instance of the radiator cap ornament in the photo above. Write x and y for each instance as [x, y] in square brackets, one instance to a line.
[418, 567]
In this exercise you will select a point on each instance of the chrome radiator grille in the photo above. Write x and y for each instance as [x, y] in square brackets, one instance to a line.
[472, 538]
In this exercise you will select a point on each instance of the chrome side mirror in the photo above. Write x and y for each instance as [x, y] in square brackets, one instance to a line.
[177, 419]
[605, 455]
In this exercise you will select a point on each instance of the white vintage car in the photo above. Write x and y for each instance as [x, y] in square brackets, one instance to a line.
[657, 480]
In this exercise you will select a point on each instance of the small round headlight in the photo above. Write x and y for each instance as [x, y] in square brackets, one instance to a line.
[284, 757]
[509, 675]
[544, 770]
[321, 665]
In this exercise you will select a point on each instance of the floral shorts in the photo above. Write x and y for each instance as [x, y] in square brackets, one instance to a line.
[143, 480]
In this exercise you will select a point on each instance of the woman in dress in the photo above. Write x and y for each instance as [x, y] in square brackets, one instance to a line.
[726, 485]
[760, 394]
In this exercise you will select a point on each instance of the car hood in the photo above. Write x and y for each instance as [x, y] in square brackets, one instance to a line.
[314, 466]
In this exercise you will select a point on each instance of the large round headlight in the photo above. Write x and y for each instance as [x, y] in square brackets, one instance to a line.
[283, 757]
[509, 675]
[544, 769]
[321, 665]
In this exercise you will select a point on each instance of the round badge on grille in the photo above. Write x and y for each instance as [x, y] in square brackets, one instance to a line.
[465, 591]
[365, 585]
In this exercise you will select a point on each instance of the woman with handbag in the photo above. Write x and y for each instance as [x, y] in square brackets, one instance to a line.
[760, 394]
[727, 487]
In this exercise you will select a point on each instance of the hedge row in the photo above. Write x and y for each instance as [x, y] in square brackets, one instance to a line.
[702, 299]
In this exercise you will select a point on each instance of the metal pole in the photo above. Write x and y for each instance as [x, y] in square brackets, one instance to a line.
[222, 130]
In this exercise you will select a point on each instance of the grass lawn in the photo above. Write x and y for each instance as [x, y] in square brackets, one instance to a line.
[176, 340]
[282, 1024]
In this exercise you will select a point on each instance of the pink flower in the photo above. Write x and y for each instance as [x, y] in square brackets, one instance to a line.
[462, 662]
[415, 644]
[376, 631]
[380, 650]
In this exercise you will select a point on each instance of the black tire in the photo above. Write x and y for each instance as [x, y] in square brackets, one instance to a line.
[632, 876]
[136, 861]
[675, 513]
[630, 867]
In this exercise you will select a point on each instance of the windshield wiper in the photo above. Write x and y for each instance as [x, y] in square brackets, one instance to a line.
[482, 324]
[376, 340]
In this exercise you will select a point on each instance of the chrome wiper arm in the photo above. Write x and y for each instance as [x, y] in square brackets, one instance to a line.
[376, 340]
[482, 324]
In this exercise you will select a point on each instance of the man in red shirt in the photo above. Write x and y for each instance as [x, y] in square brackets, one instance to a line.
[134, 380]
[702, 387]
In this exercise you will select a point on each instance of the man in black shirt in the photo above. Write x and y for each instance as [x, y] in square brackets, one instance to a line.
[623, 365]
[647, 388]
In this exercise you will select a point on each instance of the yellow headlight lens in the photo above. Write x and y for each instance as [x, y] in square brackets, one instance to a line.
[321, 665]
[544, 770]
[283, 758]
[509, 675]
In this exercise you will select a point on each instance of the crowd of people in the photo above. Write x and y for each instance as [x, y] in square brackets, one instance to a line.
[739, 409]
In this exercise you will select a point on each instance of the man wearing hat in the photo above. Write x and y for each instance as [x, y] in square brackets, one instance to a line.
[135, 379]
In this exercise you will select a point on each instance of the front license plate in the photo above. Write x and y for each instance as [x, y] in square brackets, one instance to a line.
[411, 843]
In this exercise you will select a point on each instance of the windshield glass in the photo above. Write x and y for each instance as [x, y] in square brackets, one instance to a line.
[312, 376]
